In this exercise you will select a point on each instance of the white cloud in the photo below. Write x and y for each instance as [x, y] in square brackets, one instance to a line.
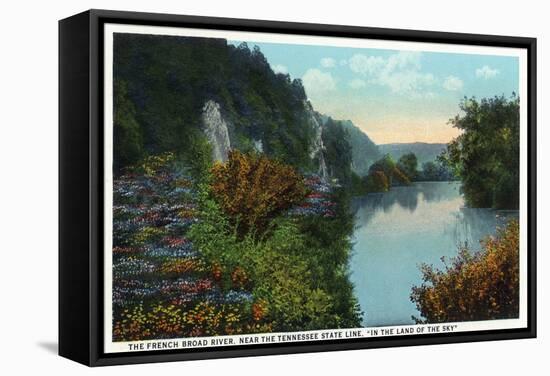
[357, 83]
[317, 82]
[407, 82]
[328, 62]
[279, 68]
[486, 72]
[404, 60]
[366, 65]
[400, 72]
[453, 83]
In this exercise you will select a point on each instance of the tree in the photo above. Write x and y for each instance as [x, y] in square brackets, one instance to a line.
[408, 163]
[435, 171]
[377, 181]
[430, 172]
[486, 155]
[386, 164]
[392, 172]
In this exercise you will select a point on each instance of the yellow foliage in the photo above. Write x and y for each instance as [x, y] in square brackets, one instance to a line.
[252, 189]
[155, 163]
[181, 266]
[482, 286]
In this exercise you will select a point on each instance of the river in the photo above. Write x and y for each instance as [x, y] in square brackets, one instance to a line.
[398, 230]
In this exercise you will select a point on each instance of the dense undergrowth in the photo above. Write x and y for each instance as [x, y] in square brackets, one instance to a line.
[183, 265]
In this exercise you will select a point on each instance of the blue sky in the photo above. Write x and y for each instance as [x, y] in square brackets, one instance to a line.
[393, 96]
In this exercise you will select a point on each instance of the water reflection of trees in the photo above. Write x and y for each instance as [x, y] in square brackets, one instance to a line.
[474, 224]
[406, 198]
[438, 191]
[469, 224]
[409, 226]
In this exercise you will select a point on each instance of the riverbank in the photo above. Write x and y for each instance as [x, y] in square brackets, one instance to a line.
[400, 229]
[180, 269]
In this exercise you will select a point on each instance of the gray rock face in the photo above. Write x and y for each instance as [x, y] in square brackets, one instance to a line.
[216, 131]
[317, 147]
[258, 146]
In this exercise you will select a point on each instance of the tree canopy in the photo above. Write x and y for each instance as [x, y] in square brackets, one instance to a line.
[408, 163]
[486, 155]
[161, 84]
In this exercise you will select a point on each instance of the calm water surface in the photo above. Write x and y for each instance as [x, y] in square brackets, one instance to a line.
[397, 231]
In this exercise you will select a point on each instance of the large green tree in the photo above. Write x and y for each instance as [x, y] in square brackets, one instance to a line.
[408, 163]
[486, 155]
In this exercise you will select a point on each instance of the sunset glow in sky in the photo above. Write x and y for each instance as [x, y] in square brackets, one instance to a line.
[393, 96]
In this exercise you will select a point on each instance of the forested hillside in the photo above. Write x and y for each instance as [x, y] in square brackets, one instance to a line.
[162, 86]
[230, 209]
[365, 151]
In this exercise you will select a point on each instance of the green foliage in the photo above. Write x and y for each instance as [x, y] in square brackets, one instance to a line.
[143, 322]
[152, 165]
[377, 181]
[127, 135]
[435, 171]
[486, 155]
[364, 151]
[424, 152]
[338, 151]
[297, 271]
[199, 158]
[399, 177]
[408, 164]
[328, 248]
[358, 185]
[480, 286]
[386, 164]
[284, 280]
[167, 80]
[385, 173]
[430, 171]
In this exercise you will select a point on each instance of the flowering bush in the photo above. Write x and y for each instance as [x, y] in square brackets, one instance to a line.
[317, 202]
[160, 280]
[480, 286]
[192, 262]
[252, 189]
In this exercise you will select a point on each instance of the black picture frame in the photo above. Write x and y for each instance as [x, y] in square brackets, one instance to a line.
[81, 184]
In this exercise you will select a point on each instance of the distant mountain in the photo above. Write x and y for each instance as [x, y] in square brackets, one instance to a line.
[364, 151]
[424, 152]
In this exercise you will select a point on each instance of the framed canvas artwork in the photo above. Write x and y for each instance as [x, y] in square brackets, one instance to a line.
[241, 187]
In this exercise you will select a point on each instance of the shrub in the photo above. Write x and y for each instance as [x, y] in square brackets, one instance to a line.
[152, 165]
[296, 271]
[169, 321]
[472, 287]
[252, 189]
[377, 181]
[399, 177]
